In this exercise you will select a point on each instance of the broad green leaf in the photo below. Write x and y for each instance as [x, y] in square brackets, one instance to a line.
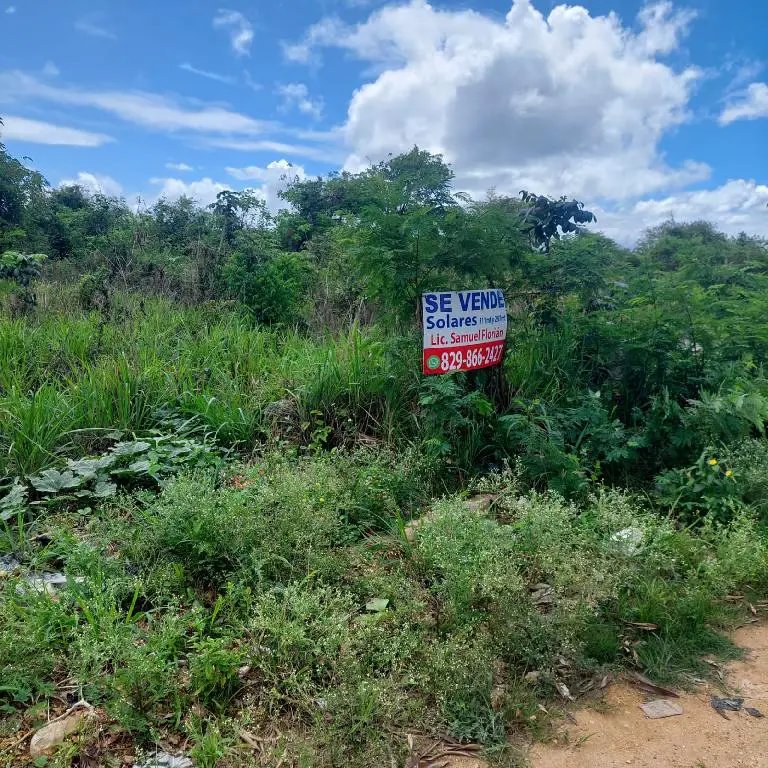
[104, 490]
[53, 481]
[89, 468]
[13, 501]
[130, 449]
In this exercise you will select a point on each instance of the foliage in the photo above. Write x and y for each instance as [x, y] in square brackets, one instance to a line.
[707, 489]
[546, 218]
[128, 463]
[22, 269]
[292, 551]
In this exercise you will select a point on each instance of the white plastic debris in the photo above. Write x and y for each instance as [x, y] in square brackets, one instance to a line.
[164, 760]
[628, 540]
[49, 583]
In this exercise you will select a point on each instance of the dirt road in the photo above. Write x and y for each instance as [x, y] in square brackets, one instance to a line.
[620, 735]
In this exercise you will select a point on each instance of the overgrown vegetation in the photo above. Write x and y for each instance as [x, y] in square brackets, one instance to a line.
[213, 424]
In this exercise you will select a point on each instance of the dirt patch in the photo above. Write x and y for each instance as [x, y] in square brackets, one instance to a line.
[621, 735]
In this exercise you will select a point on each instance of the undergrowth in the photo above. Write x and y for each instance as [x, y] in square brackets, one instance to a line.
[283, 598]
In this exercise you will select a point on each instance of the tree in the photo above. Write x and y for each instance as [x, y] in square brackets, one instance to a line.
[22, 269]
[20, 189]
[546, 218]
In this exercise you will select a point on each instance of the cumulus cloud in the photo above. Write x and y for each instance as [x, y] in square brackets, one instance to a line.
[749, 105]
[187, 67]
[662, 26]
[11, 9]
[275, 178]
[139, 107]
[39, 132]
[181, 167]
[203, 191]
[568, 104]
[296, 95]
[239, 28]
[96, 183]
[736, 206]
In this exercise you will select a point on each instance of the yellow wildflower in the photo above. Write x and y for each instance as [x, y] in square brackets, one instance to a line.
[729, 473]
[713, 462]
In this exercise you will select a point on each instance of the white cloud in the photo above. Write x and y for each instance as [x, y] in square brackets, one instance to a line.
[181, 167]
[89, 27]
[325, 32]
[568, 104]
[275, 177]
[187, 67]
[240, 30]
[297, 95]
[94, 182]
[266, 145]
[742, 70]
[250, 82]
[662, 26]
[204, 191]
[146, 109]
[38, 132]
[51, 70]
[736, 206]
[10, 9]
[749, 105]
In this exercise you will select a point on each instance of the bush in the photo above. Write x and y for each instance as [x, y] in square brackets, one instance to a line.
[273, 527]
[273, 288]
[707, 489]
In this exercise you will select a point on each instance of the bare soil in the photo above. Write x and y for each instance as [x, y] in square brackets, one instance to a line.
[615, 733]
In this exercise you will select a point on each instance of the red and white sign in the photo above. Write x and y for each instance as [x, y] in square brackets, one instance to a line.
[463, 330]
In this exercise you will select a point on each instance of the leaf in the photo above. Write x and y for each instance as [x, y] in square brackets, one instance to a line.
[104, 490]
[140, 467]
[648, 627]
[89, 468]
[13, 501]
[644, 684]
[377, 605]
[53, 481]
[130, 449]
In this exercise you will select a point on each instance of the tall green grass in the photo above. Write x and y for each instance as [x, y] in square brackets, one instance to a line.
[66, 377]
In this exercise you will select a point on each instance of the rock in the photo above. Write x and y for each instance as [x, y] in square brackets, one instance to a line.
[8, 564]
[658, 708]
[164, 760]
[243, 671]
[481, 502]
[410, 530]
[543, 594]
[53, 734]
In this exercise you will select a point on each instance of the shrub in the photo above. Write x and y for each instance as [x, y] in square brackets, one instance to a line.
[271, 530]
[706, 489]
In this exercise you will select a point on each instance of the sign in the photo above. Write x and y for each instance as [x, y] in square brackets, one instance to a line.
[463, 330]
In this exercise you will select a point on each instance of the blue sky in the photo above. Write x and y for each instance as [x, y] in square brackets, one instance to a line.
[642, 110]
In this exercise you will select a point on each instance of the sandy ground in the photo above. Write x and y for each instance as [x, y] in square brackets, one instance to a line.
[619, 734]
